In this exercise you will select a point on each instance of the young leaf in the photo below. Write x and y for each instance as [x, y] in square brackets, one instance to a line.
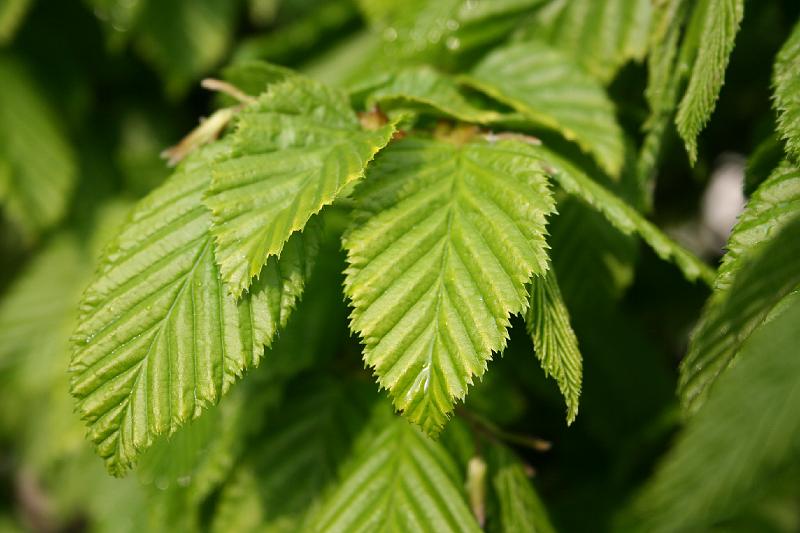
[531, 77]
[159, 339]
[742, 437]
[720, 24]
[622, 216]
[451, 235]
[600, 35]
[554, 340]
[37, 165]
[751, 282]
[520, 508]
[425, 86]
[402, 481]
[294, 151]
[786, 80]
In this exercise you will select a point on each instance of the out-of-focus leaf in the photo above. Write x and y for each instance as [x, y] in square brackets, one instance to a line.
[742, 436]
[550, 91]
[430, 89]
[601, 35]
[399, 481]
[37, 165]
[519, 507]
[12, 13]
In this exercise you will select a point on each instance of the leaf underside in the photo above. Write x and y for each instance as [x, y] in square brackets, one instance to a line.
[745, 434]
[448, 237]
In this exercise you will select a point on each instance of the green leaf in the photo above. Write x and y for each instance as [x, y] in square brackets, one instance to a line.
[449, 238]
[401, 481]
[294, 151]
[12, 13]
[761, 266]
[184, 39]
[299, 454]
[432, 90]
[554, 340]
[720, 23]
[600, 35]
[37, 165]
[520, 508]
[742, 437]
[786, 80]
[595, 261]
[37, 305]
[552, 92]
[159, 339]
[254, 77]
[621, 215]
[771, 207]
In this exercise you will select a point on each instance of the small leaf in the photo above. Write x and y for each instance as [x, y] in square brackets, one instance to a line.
[294, 151]
[449, 235]
[159, 339]
[402, 481]
[786, 80]
[554, 340]
[720, 24]
[531, 77]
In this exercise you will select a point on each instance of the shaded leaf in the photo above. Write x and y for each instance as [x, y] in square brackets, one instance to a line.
[761, 267]
[556, 345]
[401, 481]
[37, 165]
[739, 440]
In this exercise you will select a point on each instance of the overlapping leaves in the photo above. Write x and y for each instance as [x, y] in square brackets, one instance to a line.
[295, 150]
[760, 267]
[159, 338]
[550, 91]
[451, 235]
